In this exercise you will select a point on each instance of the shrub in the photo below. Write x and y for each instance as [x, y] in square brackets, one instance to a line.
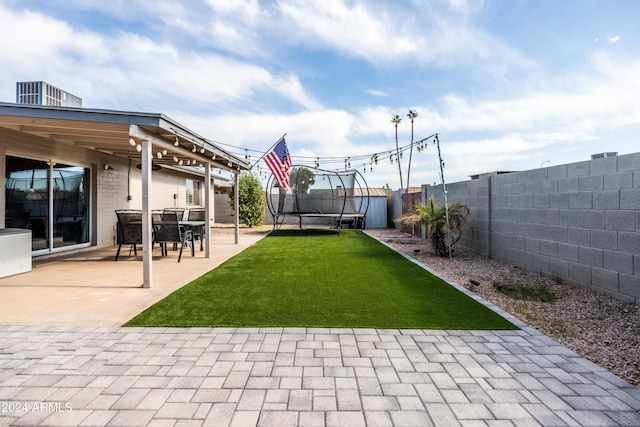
[434, 217]
[251, 200]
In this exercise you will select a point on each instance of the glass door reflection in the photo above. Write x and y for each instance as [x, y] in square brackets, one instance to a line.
[52, 200]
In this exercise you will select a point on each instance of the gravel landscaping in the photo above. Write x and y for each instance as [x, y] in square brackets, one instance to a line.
[598, 327]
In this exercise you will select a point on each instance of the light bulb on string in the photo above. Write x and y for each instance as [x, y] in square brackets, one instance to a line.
[132, 142]
[176, 142]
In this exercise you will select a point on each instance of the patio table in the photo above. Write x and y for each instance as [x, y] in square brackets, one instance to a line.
[191, 225]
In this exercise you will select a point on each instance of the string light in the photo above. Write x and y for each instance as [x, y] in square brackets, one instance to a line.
[132, 142]
[316, 162]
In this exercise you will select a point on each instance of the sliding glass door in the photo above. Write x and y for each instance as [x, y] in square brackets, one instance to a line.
[51, 199]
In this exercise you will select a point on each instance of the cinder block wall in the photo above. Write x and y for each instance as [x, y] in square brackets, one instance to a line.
[578, 223]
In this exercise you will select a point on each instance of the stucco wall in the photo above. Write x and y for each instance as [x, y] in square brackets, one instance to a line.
[110, 187]
[578, 223]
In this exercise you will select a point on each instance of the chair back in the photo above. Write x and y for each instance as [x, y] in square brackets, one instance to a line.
[156, 216]
[129, 226]
[168, 228]
[178, 211]
[196, 214]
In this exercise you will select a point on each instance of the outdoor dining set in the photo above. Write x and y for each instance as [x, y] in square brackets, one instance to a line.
[170, 225]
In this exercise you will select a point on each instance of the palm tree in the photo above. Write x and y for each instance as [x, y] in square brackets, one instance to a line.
[434, 217]
[396, 121]
[412, 114]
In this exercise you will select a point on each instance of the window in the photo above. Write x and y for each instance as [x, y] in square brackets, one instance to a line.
[50, 199]
[193, 193]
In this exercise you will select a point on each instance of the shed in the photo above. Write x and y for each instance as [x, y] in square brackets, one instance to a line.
[377, 213]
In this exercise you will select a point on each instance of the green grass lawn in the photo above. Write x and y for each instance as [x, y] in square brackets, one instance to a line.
[320, 280]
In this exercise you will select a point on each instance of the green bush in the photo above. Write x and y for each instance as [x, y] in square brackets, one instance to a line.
[251, 200]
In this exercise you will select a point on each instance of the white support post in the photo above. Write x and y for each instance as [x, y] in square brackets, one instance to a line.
[147, 270]
[207, 209]
[236, 206]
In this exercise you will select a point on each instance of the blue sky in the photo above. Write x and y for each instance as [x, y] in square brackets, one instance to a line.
[507, 85]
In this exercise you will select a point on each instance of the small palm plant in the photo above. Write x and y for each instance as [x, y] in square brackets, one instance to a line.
[434, 217]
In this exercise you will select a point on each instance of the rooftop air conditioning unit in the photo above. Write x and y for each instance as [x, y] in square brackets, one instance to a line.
[42, 93]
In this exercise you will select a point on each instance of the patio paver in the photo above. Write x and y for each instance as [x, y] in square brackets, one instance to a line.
[75, 375]
[44, 391]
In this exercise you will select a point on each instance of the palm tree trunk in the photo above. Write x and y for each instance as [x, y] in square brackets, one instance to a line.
[438, 241]
[410, 156]
[398, 158]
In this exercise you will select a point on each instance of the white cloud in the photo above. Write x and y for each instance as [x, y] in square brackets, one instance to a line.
[107, 71]
[326, 131]
[612, 39]
[376, 92]
[429, 34]
[182, 67]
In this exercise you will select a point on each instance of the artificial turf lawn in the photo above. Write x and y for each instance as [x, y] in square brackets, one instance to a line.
[320, 280]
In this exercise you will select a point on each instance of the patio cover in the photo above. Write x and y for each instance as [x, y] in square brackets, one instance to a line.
[111, 131]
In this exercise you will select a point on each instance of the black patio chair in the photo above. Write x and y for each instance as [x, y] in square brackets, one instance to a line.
[178, 211]
[168, 231]
[180, 214]
[129, 230]
[197, 214]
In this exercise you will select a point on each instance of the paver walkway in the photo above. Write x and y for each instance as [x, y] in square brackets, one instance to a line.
[302, 376]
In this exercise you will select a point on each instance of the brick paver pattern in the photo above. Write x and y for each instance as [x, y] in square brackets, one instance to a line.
[302, 376]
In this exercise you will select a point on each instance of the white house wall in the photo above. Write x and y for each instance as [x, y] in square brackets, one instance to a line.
[111, 184]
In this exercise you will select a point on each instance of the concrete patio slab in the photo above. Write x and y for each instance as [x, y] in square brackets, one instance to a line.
[89, 288]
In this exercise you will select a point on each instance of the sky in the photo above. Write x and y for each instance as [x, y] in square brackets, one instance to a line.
[506, 85]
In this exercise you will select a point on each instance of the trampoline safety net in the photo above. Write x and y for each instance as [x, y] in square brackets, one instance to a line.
[340, 198]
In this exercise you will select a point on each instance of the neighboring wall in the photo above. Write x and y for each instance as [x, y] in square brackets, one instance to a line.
[578, 223]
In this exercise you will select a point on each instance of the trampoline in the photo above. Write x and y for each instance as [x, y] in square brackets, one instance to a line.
[338, 199]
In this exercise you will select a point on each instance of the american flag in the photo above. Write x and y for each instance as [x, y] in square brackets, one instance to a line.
[279, 162]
